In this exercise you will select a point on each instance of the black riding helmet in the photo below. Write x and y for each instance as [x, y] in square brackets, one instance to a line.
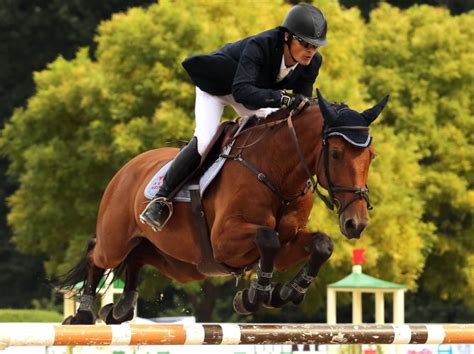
[308, 23]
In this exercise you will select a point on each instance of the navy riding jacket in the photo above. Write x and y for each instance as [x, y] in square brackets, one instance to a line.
[248, 69]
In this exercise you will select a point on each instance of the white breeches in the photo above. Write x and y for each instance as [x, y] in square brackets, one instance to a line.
[209, 109]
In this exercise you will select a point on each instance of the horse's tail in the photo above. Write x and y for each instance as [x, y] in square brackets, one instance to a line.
[78, 273]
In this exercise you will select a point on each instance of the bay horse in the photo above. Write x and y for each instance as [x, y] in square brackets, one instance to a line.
[256, 209]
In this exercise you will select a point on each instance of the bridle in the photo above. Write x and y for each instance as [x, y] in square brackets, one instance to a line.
[330, 201]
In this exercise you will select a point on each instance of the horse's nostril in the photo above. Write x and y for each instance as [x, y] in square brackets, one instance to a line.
[350, 226]
[353, 228]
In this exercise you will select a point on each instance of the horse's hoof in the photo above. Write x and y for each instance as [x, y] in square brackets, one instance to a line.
[297, 298]
[67, 320]
[125, 306]
[126, 317]
[276, 300]
[123, 314]
[105, 312]
[281, 295]
[106, 315]
[241, 304]
[81, 317]
[85, 317]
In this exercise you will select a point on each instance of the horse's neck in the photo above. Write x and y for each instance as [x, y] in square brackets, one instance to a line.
[281, 158]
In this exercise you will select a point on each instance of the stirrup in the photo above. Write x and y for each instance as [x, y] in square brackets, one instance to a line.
[155, 224]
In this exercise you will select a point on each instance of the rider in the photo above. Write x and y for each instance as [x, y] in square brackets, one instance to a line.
[250, 75]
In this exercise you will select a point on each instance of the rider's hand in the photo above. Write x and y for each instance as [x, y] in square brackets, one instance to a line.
[290, 100]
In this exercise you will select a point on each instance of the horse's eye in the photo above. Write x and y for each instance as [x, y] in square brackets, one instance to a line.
[336, 154]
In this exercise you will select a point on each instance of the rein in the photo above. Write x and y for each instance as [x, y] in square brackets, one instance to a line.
[260, 126]
[331, 201]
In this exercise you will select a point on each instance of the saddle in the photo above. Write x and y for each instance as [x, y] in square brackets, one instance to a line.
[211, 162]
[224, 136]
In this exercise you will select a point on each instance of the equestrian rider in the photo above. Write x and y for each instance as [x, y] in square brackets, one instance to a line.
[252, 76]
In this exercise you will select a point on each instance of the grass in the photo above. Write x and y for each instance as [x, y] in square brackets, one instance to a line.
[29, 315]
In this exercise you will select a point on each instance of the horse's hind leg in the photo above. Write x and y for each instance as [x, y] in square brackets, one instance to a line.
[145, 253]
[321, 247]
[124, 309]
[86, 271]
[249, 300]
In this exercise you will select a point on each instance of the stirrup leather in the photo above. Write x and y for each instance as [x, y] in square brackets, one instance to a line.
[157, 225]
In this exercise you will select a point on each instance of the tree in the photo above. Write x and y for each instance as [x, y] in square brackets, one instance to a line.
[17, 272]
[33, 33]
[424, 60]
[456, 7]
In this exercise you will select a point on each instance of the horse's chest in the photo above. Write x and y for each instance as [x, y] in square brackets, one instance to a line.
[288, 229]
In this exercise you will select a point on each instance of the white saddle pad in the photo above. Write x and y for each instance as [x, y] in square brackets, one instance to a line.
[183, 195]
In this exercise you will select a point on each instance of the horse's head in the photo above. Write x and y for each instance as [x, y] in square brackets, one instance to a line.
[344, 163]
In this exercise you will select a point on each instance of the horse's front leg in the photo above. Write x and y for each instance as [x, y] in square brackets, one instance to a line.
[259, 292]
[319, 247]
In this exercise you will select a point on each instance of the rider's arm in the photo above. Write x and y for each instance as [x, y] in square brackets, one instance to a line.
[244, 87]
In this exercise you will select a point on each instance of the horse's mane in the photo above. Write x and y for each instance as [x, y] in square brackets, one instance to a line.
[232, 127]
[280, 114]
[283, 112]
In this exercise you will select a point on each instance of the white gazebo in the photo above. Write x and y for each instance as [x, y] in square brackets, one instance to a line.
[358, 283]
[106, 292]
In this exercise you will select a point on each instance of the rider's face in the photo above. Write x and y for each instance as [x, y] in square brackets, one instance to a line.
[299, 50]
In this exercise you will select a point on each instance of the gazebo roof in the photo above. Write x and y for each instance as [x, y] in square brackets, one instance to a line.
[359, 280]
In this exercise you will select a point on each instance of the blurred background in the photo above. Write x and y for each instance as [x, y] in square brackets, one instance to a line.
[87, 85]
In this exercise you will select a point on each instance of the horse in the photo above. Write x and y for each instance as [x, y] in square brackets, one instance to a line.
[256, 209]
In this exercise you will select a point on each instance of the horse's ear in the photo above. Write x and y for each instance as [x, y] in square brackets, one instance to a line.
[329, 113]
[372, 113]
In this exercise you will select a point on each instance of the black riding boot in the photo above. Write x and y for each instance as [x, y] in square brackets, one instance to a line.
[159, 210]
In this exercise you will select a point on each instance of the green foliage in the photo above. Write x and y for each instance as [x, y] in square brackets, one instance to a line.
[425, 60]
[89, 116]
[14, 315]
[33, 34]
[455, 6]
[340, 74]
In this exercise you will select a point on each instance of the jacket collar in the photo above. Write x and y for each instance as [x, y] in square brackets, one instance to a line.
[277, 53]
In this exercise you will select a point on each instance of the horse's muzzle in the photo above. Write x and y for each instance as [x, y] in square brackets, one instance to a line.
[352, 227]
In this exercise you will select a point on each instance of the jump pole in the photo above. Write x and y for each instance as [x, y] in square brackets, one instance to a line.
[17, 334]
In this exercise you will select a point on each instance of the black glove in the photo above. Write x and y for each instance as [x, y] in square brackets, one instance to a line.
[290, 100]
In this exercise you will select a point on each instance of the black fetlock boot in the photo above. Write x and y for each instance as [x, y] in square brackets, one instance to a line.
[159, 210]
